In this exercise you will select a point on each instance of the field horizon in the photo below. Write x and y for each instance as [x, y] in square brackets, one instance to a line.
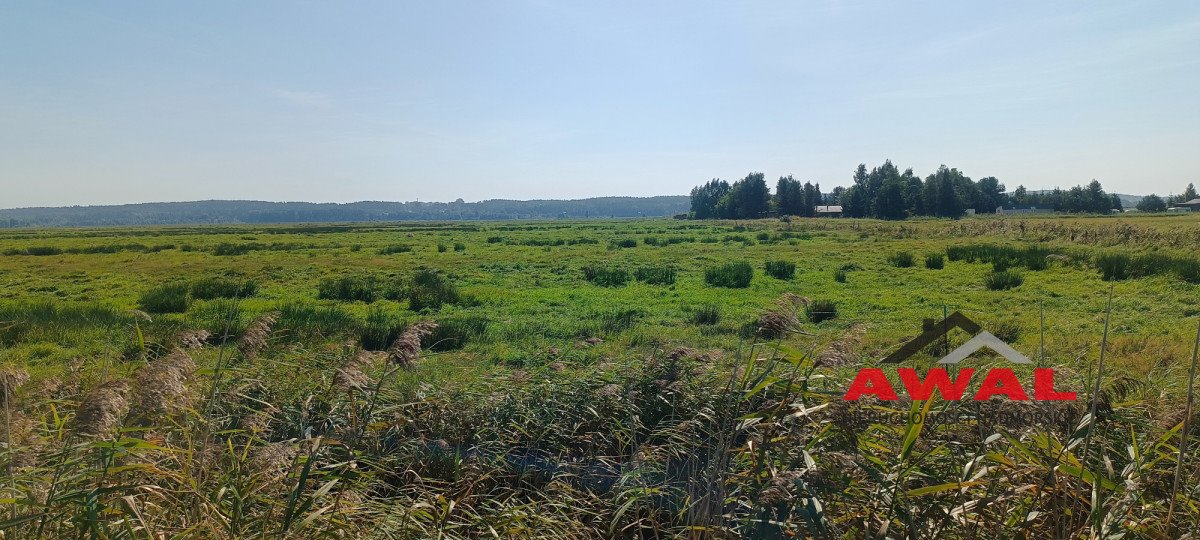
[590, 378]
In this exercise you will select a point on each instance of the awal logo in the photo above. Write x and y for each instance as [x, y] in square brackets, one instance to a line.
[997, 382]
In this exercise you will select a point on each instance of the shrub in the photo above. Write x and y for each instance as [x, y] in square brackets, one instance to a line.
[169, 298]
[42, 251]
[902, 259]
[458, 246]
[781, 269]
[495, 239]
[736, 275]
[429, 289]
[1003, 257]
[1113, 266]
[348, 289]
[624, 243]
[226, 249]
[614, 321]
[821, 310]
[398, 248]
[839, 275]
[380, 330]
[999, 281]
[655, 275]
[605, 276]
[310, 322]
[441, 248]
[455, 332]
[707, 314]
[935, 261]
[210, 288]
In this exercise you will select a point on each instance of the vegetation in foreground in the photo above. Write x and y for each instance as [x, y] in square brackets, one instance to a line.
[506, 390]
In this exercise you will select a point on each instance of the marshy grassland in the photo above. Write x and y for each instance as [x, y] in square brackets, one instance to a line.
[589, 379]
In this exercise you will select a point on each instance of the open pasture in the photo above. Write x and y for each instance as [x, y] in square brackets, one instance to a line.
[586, 379]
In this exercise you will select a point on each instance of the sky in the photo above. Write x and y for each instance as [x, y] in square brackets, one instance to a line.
[118, 102]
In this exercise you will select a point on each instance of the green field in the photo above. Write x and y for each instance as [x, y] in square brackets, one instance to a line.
[586, 379]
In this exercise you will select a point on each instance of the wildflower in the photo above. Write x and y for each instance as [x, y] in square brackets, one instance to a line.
[407, 348]
[255, 338]
[102, 408]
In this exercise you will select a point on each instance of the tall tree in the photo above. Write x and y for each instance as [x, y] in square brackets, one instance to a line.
[789, 197]
[942, 197]
[748, 198]
[812, 199]
[705, 198]
[1152, 203]
[991, 195]
[1189, 194]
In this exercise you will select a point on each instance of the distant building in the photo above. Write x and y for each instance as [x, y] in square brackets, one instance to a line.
[1022, 210]
[829, 211]
[1190, 206]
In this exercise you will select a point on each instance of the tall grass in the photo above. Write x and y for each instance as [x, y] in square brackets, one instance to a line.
[169, 298]
[605, 276]
[655, 275]
[735, 275]
[1032, 257]
[780, 269]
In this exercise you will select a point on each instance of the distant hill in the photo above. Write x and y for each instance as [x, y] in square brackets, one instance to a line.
[212, 212]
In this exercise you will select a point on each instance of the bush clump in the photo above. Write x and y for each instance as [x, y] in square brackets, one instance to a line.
[1003, 280]
[821, 310]
[902, 259]
[455, 332]
[780, 269]
[1030, 257]
[398, 248]
[169, 298]
[655, 275]
[935, 261]
[706, 315]
[606, 276]
[210, 288]
[735, 275]
[348, 289]
[429, 289]
[839, 275]
[623, 243]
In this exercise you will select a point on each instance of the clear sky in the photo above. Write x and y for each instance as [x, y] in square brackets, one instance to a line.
[109, 102]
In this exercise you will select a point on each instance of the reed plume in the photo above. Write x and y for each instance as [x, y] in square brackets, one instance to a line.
[255, 338]
[352, 376]
[102, 409]
[407, 348]
[158, 386]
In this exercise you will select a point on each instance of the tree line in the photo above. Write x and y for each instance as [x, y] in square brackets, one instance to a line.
[886, 192]
[1154, 203]
[214, 212]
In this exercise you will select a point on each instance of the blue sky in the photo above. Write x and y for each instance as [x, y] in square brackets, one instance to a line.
[108, 102]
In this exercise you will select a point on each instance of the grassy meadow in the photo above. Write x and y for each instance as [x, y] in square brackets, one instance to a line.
[588, 379]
